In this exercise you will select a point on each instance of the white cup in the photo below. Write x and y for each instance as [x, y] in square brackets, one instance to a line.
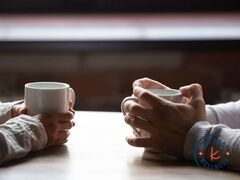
[45, 97]
[172, 95]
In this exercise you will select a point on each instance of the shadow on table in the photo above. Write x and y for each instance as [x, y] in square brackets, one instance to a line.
[176, 164]
[61, 150]
[163, 163]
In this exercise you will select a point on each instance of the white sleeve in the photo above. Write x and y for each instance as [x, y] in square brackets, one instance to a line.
[216, 133]
[5, 110]
[19, 136]
[228, 114]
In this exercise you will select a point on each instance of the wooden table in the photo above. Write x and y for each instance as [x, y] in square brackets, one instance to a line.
[97, 150]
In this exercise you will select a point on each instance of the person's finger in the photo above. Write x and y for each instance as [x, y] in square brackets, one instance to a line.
[23, 110]
[62, 135]
[64, 116]
[66, 125]
[139, 141]
[148, 83]
[72, 110]
[194, 93]
[136, 109]
[146, 97]
[59, 142]
[138, 123]
[136, 132]
[129, 98]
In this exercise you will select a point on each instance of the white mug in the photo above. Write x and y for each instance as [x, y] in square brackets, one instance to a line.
[45, 97]
[172, 95]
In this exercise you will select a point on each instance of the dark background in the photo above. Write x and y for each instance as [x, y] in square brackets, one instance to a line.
[113, 6]
[101, 81]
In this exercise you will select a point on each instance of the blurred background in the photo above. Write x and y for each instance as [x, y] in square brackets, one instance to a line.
[100, 47]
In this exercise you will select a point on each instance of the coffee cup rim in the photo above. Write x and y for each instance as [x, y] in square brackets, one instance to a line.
[31, 85]
[175, 91]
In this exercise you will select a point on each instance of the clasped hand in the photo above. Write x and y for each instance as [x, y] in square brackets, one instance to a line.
[166, 122]
[56, 125]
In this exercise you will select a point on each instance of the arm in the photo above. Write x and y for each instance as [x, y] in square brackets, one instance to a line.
[231, 138]
[176, 128]
[227, 114]
[22, 134]
[19, 136]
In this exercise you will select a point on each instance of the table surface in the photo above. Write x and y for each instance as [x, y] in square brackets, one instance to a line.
[97, 150]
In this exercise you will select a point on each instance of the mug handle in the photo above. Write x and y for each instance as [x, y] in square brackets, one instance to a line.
[71, 98]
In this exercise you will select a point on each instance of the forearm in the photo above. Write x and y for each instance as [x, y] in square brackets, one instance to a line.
[203, 136]
[19, 136]
[228, 114]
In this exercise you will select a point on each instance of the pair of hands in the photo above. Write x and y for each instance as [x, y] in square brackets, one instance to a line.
[57, 125]
[167, 123]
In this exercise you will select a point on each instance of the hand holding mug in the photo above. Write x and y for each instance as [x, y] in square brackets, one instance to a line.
[52, 103]
[167, 122]
[57, 126]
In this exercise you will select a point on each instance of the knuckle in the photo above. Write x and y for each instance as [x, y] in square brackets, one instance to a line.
[199, 102]
[144, 95]
[145, 79]
[196, 86]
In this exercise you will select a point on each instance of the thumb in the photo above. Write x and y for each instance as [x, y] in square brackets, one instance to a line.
[194, 93]
[23, 110]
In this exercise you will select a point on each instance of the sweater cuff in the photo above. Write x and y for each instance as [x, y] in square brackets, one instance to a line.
[197, 131]
[6, 110]
[36, 132]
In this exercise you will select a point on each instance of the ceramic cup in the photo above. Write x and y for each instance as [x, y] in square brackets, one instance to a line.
[45, 97]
